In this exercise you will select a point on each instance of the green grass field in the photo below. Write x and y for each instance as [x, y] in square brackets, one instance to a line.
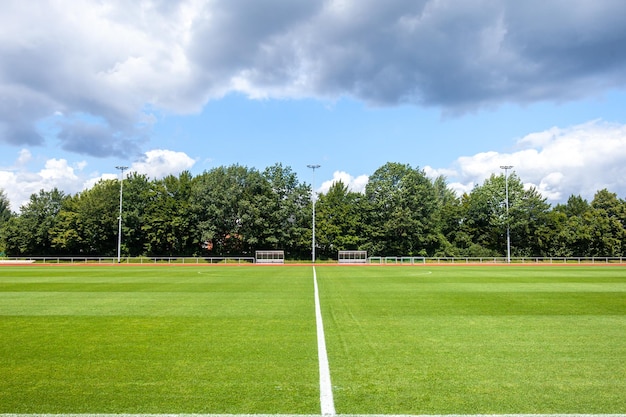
[242, 339]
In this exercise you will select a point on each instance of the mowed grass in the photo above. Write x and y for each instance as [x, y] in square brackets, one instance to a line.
[476, 340]
[241, 340]
[157, 340]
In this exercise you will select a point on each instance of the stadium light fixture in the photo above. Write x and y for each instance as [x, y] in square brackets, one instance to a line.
[119, 229]
[313, 167]
[508, 229]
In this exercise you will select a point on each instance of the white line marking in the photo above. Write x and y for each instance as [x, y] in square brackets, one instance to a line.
[312, 415]
[422, 273]
[326, 389]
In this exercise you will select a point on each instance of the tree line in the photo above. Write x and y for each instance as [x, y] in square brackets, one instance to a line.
[235, 210]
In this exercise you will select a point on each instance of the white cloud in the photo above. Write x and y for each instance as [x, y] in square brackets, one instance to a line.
[20, 184]
[462, 188]
[80, 165]
[11, 188]
[356, 184]
[159, 163]
[433, 173]
[24, 158]
[559, 162]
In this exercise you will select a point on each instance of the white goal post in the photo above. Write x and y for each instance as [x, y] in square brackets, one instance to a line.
[352, 256]
[270, 256]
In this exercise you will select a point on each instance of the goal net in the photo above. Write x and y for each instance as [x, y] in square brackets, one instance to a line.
[270, 256]
[352, 256]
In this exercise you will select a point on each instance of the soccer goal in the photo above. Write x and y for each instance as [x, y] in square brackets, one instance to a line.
[352, 256]
[270, 256]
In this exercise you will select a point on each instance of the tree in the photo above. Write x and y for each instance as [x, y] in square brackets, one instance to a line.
[590, 235]
[288, 213]
[610, 223]
[339, 222]
[30, 232]
[88, 222]
[551, 235]
[528, 216]
[576, 206]
[228, 203]
[402, 216]
[168, 225]
[595, 229]
[5, 215]
[449, 208]
[614, 207]
[567, 234]
[252, 219]
[236, 210]
[136, 198]
[5, 208]
[485, 217]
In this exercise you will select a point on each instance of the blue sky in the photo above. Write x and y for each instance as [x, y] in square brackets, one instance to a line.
[455, 88]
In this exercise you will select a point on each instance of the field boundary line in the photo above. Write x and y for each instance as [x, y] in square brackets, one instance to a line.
[327, 402]
[307, 415]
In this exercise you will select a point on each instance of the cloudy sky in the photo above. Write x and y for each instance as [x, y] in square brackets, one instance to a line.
[454, 87]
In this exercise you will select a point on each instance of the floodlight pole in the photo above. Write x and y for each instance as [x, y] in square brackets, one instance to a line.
[313, 167]
[119, 230]
[508, 229]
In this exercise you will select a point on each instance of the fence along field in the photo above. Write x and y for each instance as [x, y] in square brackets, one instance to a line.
[279, 257]
[402, 340]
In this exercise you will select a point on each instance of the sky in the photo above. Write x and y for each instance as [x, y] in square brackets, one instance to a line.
[456, 88]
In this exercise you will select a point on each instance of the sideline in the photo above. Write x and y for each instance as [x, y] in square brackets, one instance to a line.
[326, 390]
[34, 263]
[312, 415]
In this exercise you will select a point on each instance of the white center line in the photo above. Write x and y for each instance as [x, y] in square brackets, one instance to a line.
[326, 390]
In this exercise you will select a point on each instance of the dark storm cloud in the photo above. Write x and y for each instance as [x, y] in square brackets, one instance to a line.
[241, 35]
[20, 109]
[95, 139]
[112, 59]
[457, 55]
[16, 134]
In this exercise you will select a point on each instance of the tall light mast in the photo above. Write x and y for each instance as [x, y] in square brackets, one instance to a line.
[119, 229]
[508, 229]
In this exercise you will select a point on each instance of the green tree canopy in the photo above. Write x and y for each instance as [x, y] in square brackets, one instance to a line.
[402, 216]
[30, 232]
[88, 221]
[5, 208]
[339, 220]
[168, 226]
[235, 210]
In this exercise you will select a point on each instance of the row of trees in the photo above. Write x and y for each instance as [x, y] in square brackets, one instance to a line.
[236, 210]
